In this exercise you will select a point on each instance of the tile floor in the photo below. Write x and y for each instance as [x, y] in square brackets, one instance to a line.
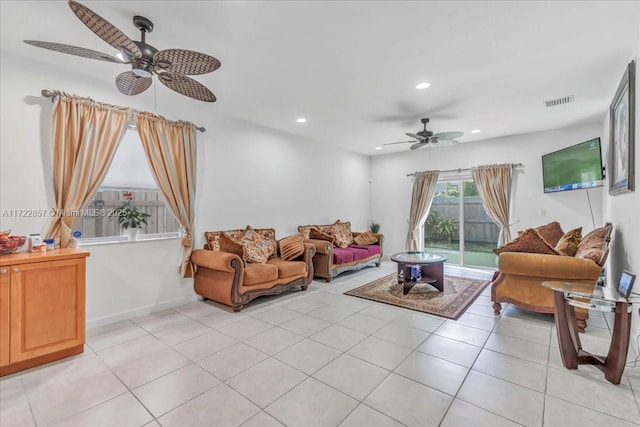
[320, 358]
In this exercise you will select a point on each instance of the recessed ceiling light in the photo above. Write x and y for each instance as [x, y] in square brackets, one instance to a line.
[378, 148]
[475, 131]
[423, 85]
[301, 120]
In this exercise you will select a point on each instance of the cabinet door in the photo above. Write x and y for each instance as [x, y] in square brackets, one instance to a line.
[47, 307]
[4, 316]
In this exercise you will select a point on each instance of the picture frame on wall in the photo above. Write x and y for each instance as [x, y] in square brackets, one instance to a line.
[622, 134]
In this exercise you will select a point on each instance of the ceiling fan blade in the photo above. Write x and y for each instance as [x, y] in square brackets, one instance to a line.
[401, 142]
[447, 135]
[75, 50]
[445, 142]
[419, 145]
[185, 62]
[413, 135]
[187, 87]
[105, 30]
[130, 84]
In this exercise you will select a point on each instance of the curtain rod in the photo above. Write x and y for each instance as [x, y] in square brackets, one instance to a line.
[50, 94]
[513, 165]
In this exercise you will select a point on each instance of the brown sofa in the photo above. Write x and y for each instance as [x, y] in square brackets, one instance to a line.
[222, 275]
[520, 276]
[331, 260]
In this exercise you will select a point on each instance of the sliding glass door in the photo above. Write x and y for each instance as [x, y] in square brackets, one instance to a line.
[458, 226]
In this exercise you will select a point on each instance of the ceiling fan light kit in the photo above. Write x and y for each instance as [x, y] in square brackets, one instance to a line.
[426, 137]
[172, 66]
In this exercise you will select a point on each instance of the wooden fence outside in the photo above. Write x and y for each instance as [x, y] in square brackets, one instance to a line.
[100, 218]
[478, 227]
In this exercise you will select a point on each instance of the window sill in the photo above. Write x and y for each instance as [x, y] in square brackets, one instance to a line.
[98, 241]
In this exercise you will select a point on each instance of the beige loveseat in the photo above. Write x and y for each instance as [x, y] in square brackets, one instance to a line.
[334, 256]
[520, 274]
[224, 275]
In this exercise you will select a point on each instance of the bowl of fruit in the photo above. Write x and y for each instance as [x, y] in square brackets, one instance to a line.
[10, 244]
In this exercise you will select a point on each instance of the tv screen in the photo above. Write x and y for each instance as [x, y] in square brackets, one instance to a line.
[572, 168]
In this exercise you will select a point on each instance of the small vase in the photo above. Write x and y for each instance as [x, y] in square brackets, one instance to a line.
[132, 233]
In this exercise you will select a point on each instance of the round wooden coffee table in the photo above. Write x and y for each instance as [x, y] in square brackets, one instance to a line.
[431, 269]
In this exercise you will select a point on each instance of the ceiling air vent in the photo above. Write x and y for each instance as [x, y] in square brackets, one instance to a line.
[559, 101]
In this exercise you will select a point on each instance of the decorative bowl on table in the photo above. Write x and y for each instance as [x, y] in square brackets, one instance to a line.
[10, 244]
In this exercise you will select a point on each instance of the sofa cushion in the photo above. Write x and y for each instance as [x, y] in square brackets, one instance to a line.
[257, 273]
[288, 268]
[318, 234]
[366, 238]
[342, 233]
[255, 247]
[291, 247]
[528, 241]
[212, 238]
[371, 249]
[551, 232]
[358, 252]
[228, 245]
[593, 246]
[342, 255]
[306, 229]
[568, 243]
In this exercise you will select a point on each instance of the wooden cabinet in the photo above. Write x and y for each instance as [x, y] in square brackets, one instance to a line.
[42, 307]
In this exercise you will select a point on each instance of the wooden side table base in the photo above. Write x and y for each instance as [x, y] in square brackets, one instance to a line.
[571, 349]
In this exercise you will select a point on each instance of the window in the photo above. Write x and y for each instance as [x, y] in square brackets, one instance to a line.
[128, 181]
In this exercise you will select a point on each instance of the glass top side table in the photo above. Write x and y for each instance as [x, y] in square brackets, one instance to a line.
[568, 295]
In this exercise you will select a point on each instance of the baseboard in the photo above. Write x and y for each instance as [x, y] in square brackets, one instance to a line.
[94, 323]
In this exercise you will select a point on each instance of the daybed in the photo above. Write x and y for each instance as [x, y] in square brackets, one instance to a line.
[237, 266]
[521, 274]
[338, 249]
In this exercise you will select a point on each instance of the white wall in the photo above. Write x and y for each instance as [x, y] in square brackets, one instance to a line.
[391, 188]
[246, 175]
[265, 178]
[622, 209]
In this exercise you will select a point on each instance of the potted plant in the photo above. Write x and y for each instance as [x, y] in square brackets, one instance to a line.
[131, 220]
[373, 227]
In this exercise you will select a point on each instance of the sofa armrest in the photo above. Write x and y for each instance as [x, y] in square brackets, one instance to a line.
[309, 251]
[221, 261]
[380, 242]
[548, 266]
[322, 246]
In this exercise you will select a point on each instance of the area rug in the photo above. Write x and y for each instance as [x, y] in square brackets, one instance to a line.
[459, 293]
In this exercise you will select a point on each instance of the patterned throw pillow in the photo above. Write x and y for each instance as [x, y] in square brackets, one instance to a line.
[213, 240]
[568, 244]
[594, 244]
[366, 238]
[551, 232]
[342, 232]
[317, 234]
[291, 247]
[529, 241]
[306, 229]
[255, 247]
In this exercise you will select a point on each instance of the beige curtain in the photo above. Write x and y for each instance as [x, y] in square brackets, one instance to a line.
[493, 183]
[171, 152]
[86, 135]
[424, 186]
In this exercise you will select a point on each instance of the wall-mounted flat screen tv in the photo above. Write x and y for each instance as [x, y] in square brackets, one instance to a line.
[573, 168]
